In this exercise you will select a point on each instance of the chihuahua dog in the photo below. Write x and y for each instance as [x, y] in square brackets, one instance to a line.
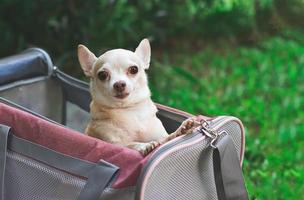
[122, 111]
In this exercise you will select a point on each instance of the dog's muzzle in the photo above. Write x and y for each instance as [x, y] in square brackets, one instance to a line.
[120, 86]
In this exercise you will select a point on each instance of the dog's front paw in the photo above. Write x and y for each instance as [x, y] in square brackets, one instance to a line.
[148, 147]
[144, 148]
[187, 126]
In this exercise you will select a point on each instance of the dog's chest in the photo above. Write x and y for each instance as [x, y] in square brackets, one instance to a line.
[125, 125]
[136, 121]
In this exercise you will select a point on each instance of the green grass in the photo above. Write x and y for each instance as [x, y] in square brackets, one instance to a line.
[264, 87]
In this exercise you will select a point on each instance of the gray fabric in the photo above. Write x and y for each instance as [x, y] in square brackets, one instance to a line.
[55, 159]
[4, 130]
[22, 82]
[74, 90]
[184, 174]
[188, 173]
[76, 117]
[227, 171]
[28, 179]
[43, 97]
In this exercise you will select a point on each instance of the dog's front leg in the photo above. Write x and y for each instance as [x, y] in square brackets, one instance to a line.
[143, 148]
[186, 127]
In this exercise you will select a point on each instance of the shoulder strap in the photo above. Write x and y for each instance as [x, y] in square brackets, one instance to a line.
[227, 171]
[98, 179]
[4, 130]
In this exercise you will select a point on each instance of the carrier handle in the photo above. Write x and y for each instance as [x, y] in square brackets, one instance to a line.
[31, 63]
[228, 176]
[4, 131]
[98, 179]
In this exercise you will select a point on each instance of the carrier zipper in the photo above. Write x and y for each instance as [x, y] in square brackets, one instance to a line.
[212, 122]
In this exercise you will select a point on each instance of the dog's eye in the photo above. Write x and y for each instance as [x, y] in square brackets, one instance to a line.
[133, 69]
[103, 75]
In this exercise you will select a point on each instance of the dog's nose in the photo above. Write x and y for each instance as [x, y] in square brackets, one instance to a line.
[120, 86]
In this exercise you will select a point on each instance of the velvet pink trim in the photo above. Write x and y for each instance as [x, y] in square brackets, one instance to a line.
[75, 144]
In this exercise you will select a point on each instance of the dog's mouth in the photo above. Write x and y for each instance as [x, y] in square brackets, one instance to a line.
[121, 95]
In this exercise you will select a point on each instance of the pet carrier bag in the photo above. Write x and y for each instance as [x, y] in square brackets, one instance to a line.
[44, 156]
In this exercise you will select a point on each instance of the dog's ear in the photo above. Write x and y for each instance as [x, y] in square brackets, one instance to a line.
[143, 51]
[86, 59]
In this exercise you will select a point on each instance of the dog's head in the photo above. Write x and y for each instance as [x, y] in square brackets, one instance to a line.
[118, 77]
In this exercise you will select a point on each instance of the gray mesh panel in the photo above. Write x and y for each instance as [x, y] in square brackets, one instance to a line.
[26, 179]
[186, 174]
[43, 97]
[76, 118]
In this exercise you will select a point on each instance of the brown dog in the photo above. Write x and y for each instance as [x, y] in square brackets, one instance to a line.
[122, 111]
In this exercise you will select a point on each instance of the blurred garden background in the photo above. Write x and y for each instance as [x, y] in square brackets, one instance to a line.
[213, 57]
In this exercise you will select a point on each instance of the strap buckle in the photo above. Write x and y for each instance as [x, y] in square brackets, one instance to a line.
[206, 129]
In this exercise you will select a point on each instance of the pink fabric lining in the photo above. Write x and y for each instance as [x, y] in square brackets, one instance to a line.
[74, 144]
